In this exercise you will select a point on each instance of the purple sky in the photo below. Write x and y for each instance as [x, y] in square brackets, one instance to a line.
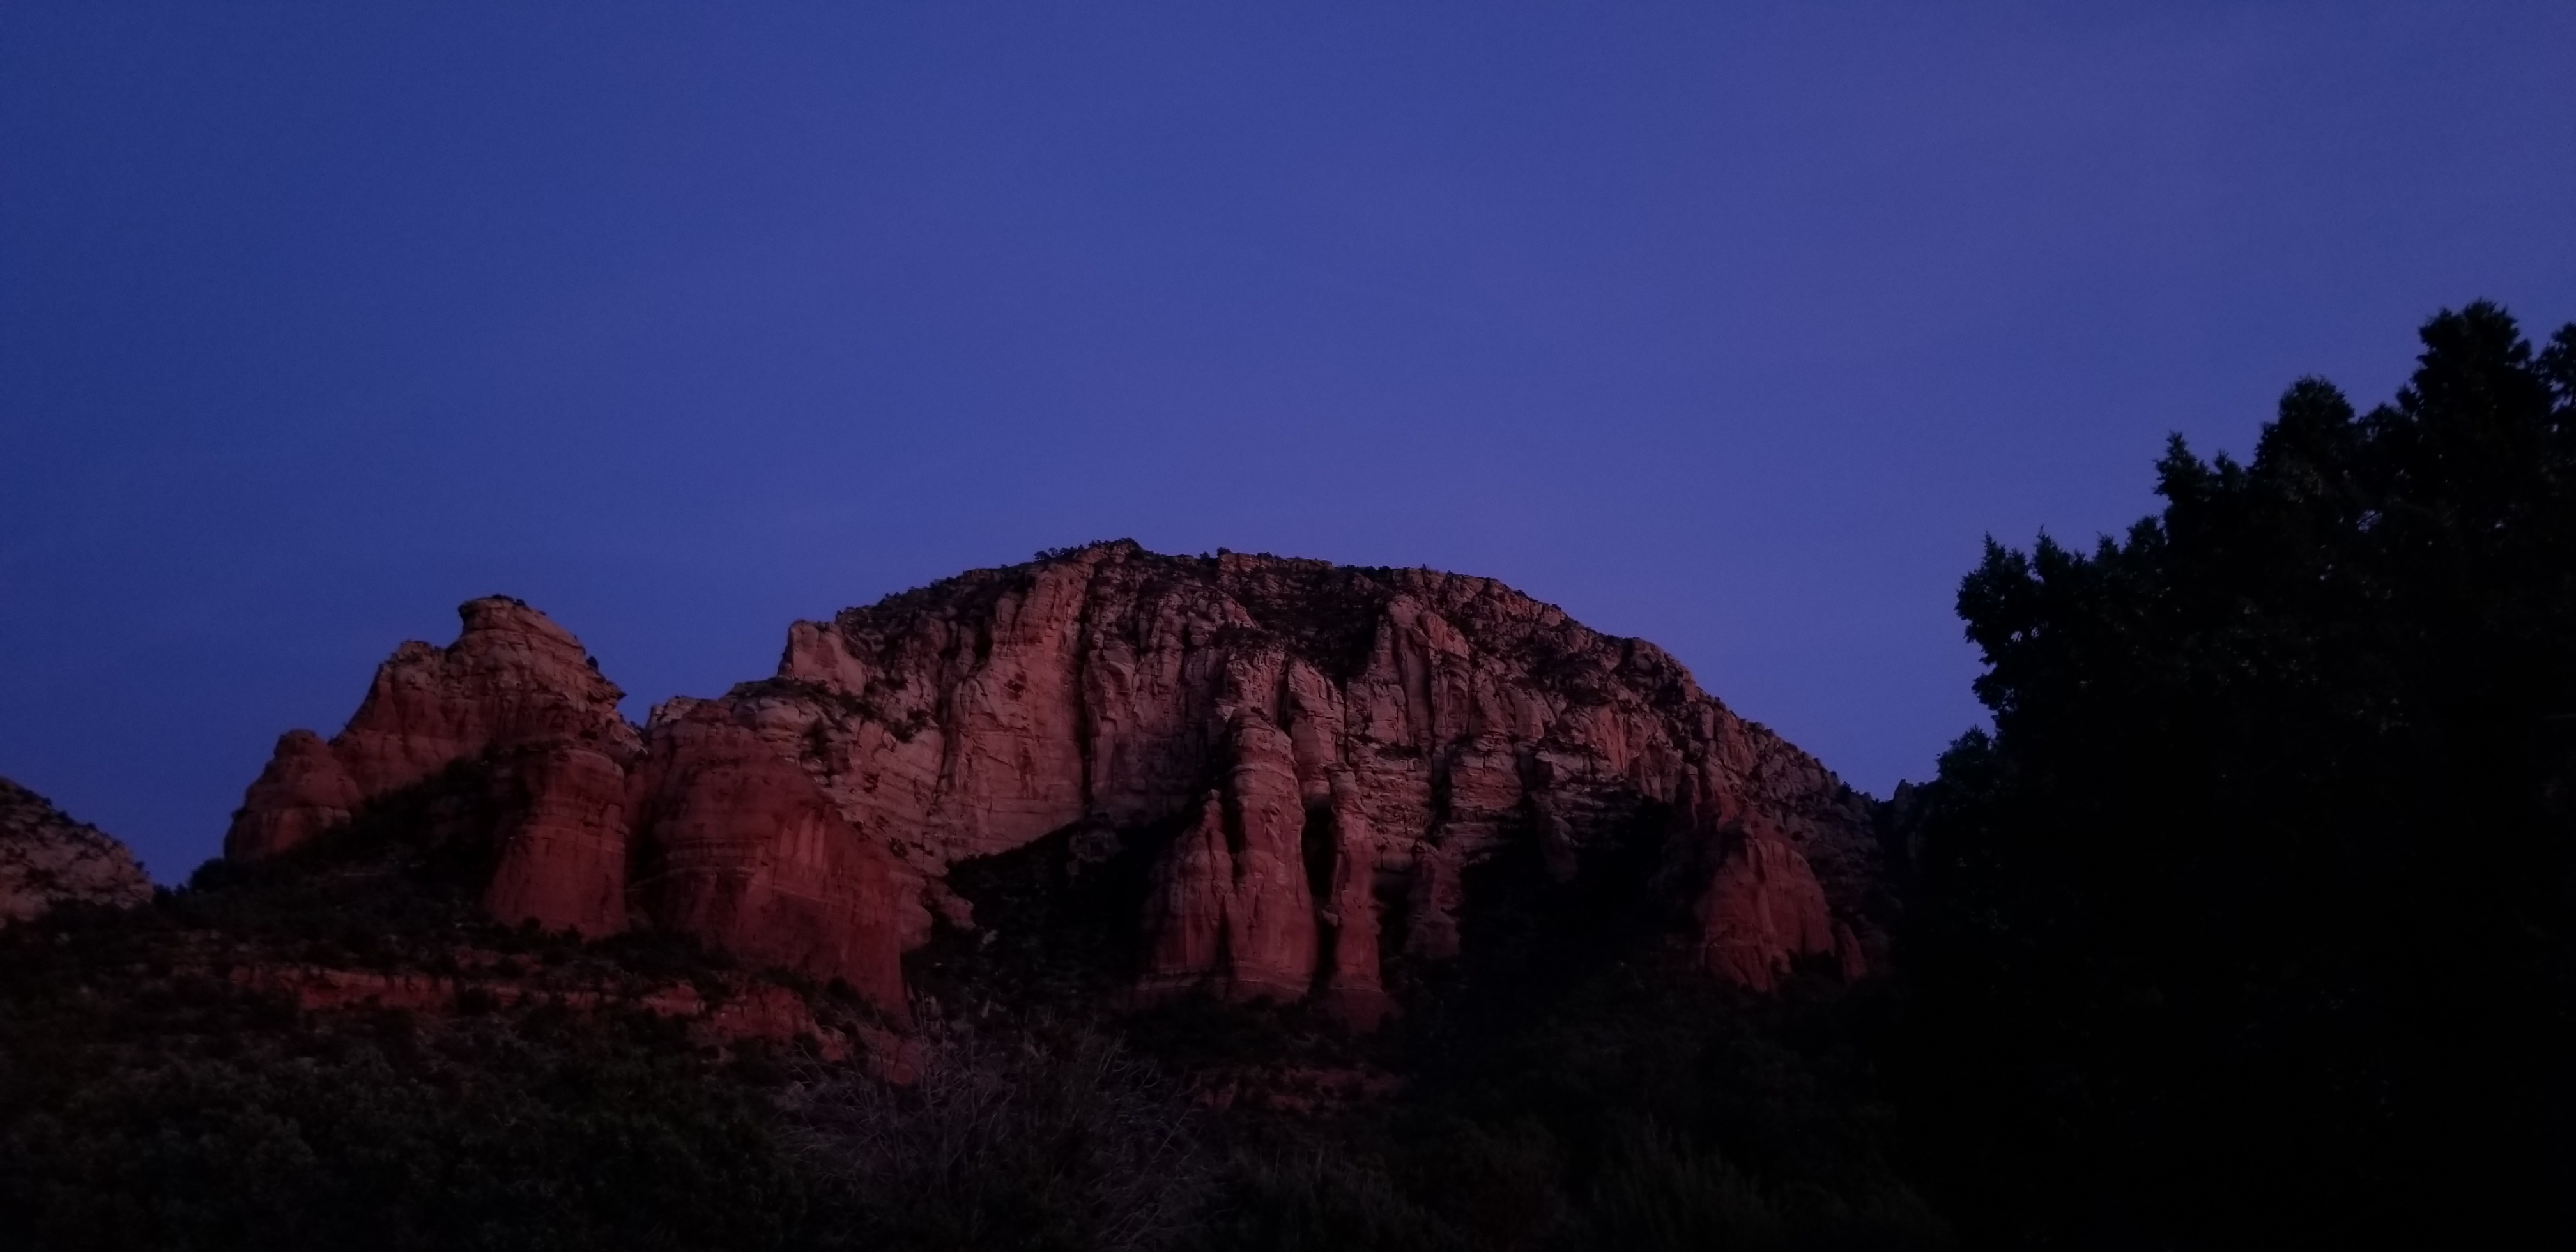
[1734, 330]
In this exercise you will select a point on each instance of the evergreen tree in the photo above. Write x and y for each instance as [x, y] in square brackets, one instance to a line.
[2249, 921]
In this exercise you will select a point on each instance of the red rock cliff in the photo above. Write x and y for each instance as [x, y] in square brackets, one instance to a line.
[1425, 720]
[512, 681]
[1338, 747]
[737, 847]
[744, 852]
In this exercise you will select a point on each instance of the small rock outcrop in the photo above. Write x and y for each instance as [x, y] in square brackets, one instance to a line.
[46, 858]
[512, 682]
[1334, 752]
[702, 831]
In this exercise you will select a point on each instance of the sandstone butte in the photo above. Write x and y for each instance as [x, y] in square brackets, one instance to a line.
[46, 858]
[1321, 752]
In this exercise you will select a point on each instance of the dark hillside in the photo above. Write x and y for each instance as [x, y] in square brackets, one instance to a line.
[335, 1049]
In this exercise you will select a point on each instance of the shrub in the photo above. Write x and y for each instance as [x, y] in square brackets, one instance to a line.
[1044, 1139]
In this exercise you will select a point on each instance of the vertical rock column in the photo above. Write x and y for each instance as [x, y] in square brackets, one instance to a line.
[1270, 930]
[1186, 912]
[563, 843]
[1230, 902]
[1354, 987]
[742, 851]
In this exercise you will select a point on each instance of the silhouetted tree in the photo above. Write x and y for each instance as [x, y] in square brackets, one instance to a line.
[2249, 921]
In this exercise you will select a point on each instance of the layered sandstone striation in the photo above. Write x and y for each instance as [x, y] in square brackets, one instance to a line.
[702, 831]
[744, 852]
[46, 858]
[1338, 747]
[513, 681]
[1318, 757]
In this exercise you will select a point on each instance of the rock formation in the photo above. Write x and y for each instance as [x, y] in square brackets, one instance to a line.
[564, 839]
[1764, 908]
[1337, 750]
[46, 858]
[734, 846]
[513, 680]
[1339, 746]
[744, 852]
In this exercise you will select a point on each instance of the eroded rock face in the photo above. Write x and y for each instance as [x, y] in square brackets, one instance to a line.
[1762, 910]
[1232, 902]
[512, 681]
[1354, 985]
[46, 858]
[1418, 723]
[734, 845]
[304, 791]
[742, 851]
[1338, 749]
[564, 839]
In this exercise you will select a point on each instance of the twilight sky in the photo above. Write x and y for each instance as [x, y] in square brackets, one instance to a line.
[1733, 327]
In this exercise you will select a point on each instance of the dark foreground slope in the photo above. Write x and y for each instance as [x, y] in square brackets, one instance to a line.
[339, 1049]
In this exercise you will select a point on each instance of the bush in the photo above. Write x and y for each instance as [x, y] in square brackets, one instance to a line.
[1045, 1139]
[1656, 1193]
[487, 1135]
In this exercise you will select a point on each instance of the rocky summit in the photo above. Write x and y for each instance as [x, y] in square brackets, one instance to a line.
[1311, 761]
[46, 858]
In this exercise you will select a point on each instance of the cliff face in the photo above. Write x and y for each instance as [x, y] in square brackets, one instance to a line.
[46, 858]
[701, 831]
[513, 682]
[1407, 721]
[1335, 747]
[741, 850]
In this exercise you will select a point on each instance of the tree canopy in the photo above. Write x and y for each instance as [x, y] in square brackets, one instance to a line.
[2249, 919]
